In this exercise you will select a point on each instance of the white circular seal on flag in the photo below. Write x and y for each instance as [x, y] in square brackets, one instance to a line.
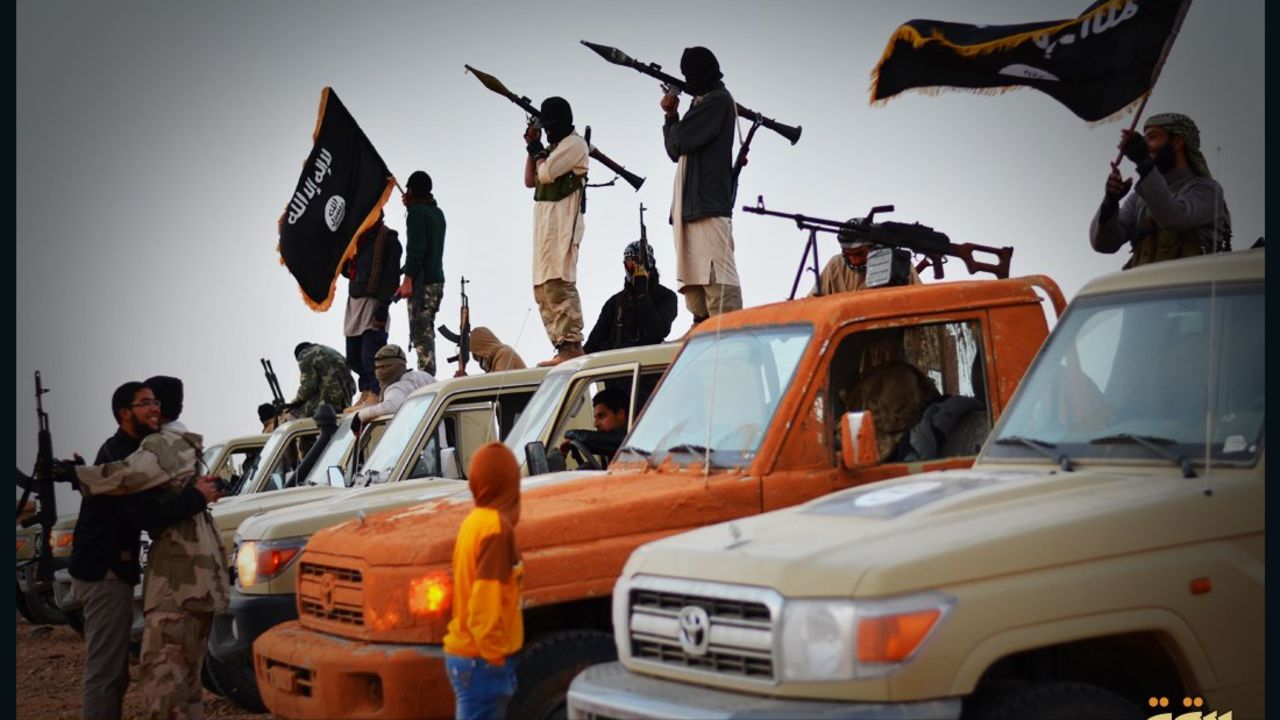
[333, 212]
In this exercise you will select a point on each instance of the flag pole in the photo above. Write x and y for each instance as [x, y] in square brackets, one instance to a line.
[1155, 73]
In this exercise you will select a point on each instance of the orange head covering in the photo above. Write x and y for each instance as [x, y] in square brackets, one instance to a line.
[494, 479]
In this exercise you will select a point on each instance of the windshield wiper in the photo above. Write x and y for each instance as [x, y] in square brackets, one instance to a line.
[1155, 445]
[636, 451]
[1043, 447]
[692, 449]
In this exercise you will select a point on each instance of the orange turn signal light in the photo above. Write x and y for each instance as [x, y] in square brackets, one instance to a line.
[64, 540]
[892, 638]
[273, 561]
[1200, 586]
[430, 594]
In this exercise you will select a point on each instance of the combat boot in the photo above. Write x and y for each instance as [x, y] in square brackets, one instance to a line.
[566, 351]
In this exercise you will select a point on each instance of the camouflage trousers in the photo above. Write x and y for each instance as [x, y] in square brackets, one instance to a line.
[561, 311]
[173, 647]
[423, 305]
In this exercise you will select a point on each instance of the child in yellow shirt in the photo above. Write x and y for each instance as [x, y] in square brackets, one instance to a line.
[487, 626]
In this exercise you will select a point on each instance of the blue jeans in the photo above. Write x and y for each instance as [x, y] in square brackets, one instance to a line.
[482, 690]
[360, 352]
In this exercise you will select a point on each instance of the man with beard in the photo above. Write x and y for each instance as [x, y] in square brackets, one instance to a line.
[105, 553]
[186, 582]
[558, 175]
[1176, 212]
[701, 145]
[641, 313]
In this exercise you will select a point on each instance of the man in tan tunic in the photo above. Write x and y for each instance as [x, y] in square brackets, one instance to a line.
[558, 175]
[701, 145]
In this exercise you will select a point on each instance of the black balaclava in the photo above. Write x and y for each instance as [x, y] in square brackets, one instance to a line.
[168, 390]
[701, 70]
[557, 119]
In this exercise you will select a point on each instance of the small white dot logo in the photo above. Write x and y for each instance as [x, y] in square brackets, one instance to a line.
[333, 212]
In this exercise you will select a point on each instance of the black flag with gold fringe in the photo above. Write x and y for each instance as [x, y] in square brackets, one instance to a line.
[1096, 64]
[343, 186]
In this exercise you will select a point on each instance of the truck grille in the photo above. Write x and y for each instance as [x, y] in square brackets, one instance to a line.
[332, 594]
[715, 628]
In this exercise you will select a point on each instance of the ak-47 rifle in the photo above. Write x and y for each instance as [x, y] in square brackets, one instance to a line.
[462, 338]
[642, 262]
[935, 246]
[654, 70]
[525, 104]
[41, 481]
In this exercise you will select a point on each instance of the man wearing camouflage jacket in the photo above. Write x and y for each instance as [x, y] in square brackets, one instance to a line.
[323, 377]
[186, 576]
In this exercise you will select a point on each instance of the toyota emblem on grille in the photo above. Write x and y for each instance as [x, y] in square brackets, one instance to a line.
[695, 630]
[326, 592]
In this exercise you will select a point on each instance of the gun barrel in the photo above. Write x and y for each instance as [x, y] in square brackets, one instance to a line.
[635, 181]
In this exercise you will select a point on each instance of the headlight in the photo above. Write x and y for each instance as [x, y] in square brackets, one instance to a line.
[852, 639]
[62, 540]
[261, 560]
[431, 594]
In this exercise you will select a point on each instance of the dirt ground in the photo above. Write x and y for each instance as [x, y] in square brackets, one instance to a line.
[50, 660]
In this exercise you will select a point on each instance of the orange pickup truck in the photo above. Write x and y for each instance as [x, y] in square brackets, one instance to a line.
[748, 419]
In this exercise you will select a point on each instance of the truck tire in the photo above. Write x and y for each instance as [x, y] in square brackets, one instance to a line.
[23, 609]
[236, 682]
[1058, 701]
[44, 611]
[546, 666]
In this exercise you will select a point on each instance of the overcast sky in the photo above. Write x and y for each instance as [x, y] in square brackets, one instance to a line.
[158, 143]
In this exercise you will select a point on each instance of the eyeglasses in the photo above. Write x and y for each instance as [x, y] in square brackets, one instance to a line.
[147, 403]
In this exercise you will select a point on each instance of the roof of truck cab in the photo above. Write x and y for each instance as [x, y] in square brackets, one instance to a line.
[485, 381]
[1241, 266]
[832, 311]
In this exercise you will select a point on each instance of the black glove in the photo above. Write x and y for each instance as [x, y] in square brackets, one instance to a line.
[1135, 148]
[65, 471]
[640, 284]
[534, 148]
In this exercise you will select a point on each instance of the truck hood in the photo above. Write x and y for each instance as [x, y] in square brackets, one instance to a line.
[937, 529]
[305, 519]
[556, 509]
[229, 513]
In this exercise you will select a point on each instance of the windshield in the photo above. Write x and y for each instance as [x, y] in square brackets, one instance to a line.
[537, 415]
[720, 395]
[210, 455]
[1174, 367]
[273, 444]
[332, 455]
[394, 440]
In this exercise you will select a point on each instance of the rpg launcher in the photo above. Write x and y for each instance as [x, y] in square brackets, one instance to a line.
[41, 482]
[462, 338]
[887, 237]
[653, 70]
[533, 113]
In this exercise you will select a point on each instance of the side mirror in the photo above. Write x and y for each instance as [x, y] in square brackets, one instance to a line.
[336, 478]
[858, 447]
[449, 464]
[535, 458]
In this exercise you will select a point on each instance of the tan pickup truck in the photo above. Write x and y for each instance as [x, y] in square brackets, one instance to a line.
[1102, 558]
[747, 420]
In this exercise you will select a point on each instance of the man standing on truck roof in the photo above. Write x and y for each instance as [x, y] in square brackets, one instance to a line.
[396, 379]
[487, 627]
[641, 313]
[373, 275]
[558, 175]
[105, 554]
[186, 576]
[323, 376]
[423, 284]
[1176, 212]
[701, 145]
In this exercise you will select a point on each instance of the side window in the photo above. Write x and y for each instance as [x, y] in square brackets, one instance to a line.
[925, 386]
[428, 462]
[579, 412]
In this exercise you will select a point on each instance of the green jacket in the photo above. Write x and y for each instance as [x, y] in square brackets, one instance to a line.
[424, 256]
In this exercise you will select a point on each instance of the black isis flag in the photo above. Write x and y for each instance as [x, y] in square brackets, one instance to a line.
[1096, 64]
[343, 186]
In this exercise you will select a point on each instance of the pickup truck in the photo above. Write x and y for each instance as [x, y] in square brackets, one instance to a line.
[747, 420]
[1103, 557]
